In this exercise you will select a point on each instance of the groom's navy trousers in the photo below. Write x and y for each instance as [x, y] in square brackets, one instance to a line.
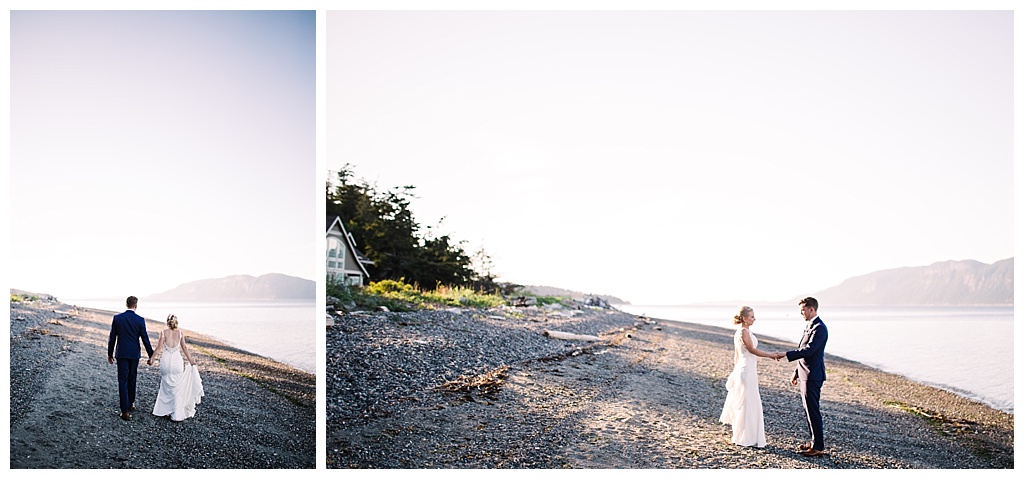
[127, 373]
[810, 392]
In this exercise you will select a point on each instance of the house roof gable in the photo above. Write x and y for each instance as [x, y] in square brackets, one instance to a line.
[336, 223]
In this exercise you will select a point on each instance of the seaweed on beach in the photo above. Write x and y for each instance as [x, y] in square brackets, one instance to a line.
[941, 423]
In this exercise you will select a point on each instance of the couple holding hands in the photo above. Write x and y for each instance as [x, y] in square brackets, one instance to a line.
[181, 388]
[742, 407]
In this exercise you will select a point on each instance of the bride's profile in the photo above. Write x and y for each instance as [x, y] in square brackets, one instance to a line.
[180, 385]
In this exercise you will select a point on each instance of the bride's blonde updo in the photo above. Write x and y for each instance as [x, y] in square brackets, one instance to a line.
[744, 311]
[172, 321]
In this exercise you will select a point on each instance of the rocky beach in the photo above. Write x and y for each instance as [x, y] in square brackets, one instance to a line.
[497, 388]
[256, 413]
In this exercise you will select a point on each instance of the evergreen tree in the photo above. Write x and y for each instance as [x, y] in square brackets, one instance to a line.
[387, 233]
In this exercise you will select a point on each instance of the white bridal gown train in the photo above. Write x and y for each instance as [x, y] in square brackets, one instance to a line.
[180, 386]
[743, 403]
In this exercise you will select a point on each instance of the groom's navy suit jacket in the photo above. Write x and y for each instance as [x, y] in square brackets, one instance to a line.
[811, 352]
[125, 331]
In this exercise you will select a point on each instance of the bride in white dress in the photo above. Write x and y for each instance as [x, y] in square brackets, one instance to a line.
[180, 385]
[743, 403]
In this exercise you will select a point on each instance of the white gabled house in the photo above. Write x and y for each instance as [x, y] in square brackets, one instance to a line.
[344, 261]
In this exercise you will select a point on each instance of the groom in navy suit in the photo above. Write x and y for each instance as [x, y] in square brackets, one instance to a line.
[810, 373]
[125, 331]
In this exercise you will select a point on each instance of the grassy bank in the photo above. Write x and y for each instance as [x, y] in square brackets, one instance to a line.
[401, 296]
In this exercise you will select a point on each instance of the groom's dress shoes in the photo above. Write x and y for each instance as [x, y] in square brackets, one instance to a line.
[803, 447]
[126, 416]
[812, 453]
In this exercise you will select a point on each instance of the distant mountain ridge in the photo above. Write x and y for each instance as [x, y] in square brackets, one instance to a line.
[946, 283]
[553, 291]
[273, 286]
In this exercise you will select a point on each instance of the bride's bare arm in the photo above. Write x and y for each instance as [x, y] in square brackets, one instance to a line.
[157, 349]
[184, 349]
[750, 346]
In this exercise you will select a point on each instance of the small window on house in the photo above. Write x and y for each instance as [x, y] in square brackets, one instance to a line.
[334, 248]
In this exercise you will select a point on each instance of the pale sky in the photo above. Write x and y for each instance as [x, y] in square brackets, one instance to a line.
[677, 157]
[150, 149]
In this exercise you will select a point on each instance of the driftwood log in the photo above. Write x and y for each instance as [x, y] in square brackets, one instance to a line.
[570, 336]
[487, 384]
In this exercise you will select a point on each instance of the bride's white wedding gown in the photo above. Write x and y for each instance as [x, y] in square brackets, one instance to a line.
[180, 385]
[743, 403]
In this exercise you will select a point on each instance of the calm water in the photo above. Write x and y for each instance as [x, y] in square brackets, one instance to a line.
[966, 350]
[283, 331]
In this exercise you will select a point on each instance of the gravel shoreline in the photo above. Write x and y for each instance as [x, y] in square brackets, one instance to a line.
[466, 388]
[256, 414]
